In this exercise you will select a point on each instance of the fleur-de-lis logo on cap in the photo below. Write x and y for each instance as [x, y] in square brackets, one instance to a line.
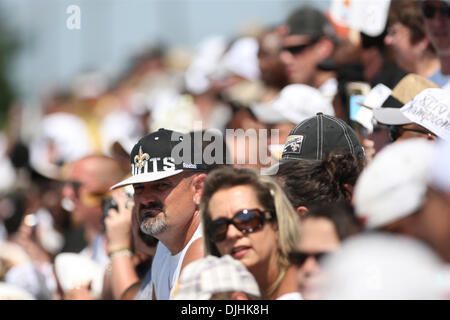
[140, 158]
[294, 146]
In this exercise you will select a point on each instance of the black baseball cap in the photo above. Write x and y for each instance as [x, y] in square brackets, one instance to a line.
[309, 21]
[165, 153]
[317, 136]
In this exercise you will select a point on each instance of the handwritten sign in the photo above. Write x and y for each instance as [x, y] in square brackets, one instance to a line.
[430, 109]
[368, 16]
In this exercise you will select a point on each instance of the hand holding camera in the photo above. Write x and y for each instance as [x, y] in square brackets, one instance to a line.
[118, 220]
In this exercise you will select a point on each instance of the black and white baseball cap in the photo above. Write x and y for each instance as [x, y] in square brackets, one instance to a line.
[162, 154]
[317, 136]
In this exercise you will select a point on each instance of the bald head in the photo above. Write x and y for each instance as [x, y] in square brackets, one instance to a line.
[91, 177]
[99, 171]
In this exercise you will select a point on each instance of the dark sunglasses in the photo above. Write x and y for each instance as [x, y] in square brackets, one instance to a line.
[298, 258]
[246, 221]
[75, 185]
[94, 198]
[294, 50]
[396, 131]
[429, 11]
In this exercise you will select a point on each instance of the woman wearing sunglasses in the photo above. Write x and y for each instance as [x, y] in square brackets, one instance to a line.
[248, 216]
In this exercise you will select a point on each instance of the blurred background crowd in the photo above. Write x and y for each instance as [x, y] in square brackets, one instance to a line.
[358, 61]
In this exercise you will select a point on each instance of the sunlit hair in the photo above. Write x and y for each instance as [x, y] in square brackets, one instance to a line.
[269, 195]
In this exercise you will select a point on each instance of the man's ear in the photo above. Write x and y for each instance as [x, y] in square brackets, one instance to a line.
[197, 184]
[349, 189]
[239, 296]
[324, 48]
[424, 43]
[302, 211]
[282, 30]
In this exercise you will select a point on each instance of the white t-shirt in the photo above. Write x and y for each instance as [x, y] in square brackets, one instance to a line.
[329, 89]
[291, 296]
[165, 270]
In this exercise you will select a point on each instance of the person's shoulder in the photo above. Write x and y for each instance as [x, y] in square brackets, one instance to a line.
[194, 252]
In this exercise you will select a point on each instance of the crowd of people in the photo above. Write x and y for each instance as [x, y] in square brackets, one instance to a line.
[306, 160]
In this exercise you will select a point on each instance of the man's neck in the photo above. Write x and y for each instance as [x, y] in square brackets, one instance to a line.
[288, 284]
[266, 274]
[427, 66]
[176, 238]
[322, 77]
[445, 65]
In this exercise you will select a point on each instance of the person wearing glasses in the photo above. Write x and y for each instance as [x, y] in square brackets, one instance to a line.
[87, 185]
[309, 40]
[248, 217]
[408, 131]
[321, 193]
[437, 25]
[412, 48]
[324, 227]
[422, 117]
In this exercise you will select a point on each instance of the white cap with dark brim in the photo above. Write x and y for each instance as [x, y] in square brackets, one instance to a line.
[390, 116]
[152, 157]
[429, 109]
[295, 103]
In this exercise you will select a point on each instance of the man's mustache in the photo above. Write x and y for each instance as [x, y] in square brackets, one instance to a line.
[151, 206]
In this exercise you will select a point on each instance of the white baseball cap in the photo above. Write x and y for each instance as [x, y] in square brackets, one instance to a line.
[394, 183]
[440, 167]
[295, 103]
[242, 59]
[429, 109]
[61, 137]
[383, 266]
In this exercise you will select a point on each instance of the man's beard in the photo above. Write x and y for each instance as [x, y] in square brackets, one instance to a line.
[154, 225]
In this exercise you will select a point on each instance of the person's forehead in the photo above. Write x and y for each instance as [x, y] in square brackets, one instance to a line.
[239, 191]
[318, 234]
[233, 199]
[87, 174]
[82, 171]
[270, 42]
[414, 126]
[296, 40]
[174, 180]
[399, 28]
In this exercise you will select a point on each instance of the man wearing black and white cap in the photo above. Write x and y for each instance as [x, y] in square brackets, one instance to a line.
[168, 172]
